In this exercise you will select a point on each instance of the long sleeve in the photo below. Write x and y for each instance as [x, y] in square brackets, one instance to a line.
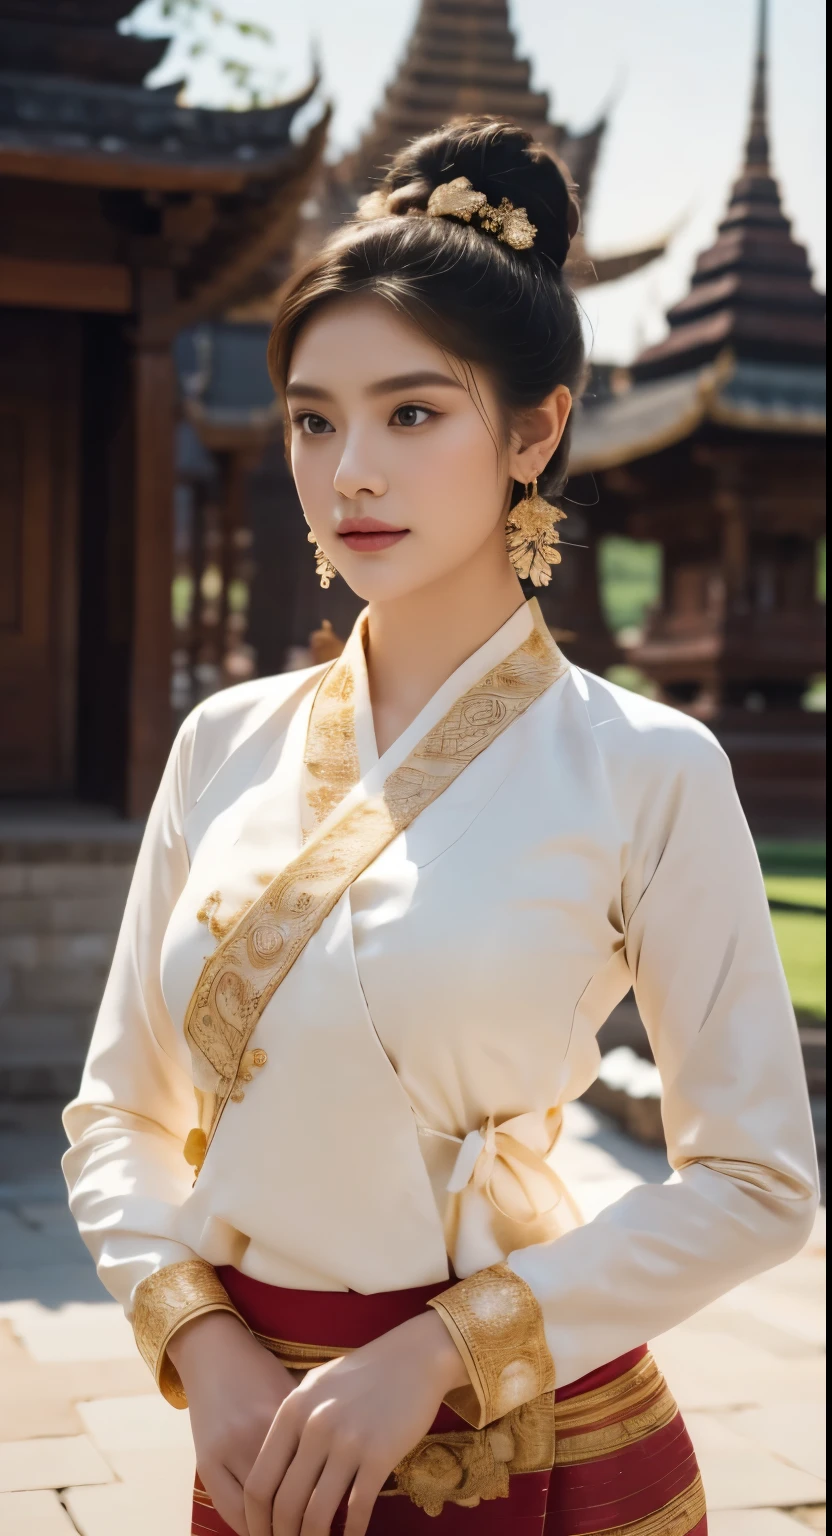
[712, 995]
[125, 1169]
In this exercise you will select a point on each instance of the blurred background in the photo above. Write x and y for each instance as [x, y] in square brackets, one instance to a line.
[161, 171]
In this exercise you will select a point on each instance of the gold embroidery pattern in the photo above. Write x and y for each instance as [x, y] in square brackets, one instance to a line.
[220, 924]
[497, 1325]
[331, 756]
[248, 966]
[610, 1418]
[164, 1301]
[209, 914]
[456, 1467]
[678, 1518]
[467, 1466]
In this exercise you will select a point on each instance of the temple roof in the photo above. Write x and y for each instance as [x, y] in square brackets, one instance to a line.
[462, 59]
[75, 38]
[752, 289]
[131, 178]
[105, 134]
[744, 395]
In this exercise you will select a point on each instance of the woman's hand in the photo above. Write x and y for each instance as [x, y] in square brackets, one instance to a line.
[234, 1388]
[347, 1425]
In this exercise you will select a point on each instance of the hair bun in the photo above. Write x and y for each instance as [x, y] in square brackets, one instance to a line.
[499, 159]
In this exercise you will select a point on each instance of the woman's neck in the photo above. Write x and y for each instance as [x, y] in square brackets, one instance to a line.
[417, 641]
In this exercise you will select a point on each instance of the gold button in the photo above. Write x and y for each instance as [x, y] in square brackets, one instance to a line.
[195, 1148]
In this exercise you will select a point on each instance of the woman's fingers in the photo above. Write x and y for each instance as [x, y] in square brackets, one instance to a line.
[226, 1495]
[365, 1490]
[291, 1498]
[326, 1496]
[265, 1477]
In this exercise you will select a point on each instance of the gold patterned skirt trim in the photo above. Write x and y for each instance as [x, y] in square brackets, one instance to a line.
[678, 1518]
[608, 1419]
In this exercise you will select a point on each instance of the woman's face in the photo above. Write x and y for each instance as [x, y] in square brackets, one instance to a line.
[396, 450]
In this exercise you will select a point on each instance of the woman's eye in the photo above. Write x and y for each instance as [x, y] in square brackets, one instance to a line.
[412, 415]
[313, 425]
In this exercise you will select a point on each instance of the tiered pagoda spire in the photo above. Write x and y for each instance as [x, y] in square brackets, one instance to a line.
[752, 289]
[462, 58]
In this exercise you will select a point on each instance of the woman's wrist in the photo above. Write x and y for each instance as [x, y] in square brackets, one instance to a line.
[448, 1362]
[201, 1337]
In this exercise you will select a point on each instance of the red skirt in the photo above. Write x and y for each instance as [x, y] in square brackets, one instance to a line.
[624, 1463]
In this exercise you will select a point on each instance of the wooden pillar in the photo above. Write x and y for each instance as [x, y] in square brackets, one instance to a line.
[731, 504]
[149, 725]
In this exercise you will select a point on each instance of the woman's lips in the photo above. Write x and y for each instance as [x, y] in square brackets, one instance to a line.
[367, 534]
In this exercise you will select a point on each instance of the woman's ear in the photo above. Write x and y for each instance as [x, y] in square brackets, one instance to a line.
[536, 434]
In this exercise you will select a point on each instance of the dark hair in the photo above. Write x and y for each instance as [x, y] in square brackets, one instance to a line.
[512, 311]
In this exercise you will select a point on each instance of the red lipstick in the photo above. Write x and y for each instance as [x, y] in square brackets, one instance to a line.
[368, 534]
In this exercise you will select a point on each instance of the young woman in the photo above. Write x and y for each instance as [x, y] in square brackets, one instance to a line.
[382, 909]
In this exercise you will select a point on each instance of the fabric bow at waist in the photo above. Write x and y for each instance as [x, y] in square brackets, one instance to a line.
[503, 1192]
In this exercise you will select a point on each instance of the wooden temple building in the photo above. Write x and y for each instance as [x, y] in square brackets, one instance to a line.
[125, 219]
[716, 450]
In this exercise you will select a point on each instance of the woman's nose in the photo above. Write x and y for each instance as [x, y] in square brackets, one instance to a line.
[357, 474]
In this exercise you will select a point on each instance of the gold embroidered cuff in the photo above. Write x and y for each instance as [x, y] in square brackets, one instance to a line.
[497, 1325]
[164, 1302]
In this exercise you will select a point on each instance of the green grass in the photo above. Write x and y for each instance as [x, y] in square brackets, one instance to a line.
[795, 874]
[801, 939]
[797, 890]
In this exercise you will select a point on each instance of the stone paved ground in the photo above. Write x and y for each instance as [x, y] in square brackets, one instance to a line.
[87, 1446]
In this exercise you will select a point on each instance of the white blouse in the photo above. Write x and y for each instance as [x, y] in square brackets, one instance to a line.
[458, 984]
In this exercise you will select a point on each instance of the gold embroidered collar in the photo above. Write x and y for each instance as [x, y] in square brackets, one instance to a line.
[356, 819]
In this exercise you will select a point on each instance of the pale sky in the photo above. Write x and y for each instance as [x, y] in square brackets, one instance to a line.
[676, 75]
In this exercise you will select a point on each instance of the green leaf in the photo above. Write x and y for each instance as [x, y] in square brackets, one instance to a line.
[253, 29]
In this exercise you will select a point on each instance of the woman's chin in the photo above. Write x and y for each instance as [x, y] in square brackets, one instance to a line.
[377, 580]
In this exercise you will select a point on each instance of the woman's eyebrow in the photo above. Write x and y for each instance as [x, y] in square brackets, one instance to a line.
[403, 381]
[308, 391]
[394, 385]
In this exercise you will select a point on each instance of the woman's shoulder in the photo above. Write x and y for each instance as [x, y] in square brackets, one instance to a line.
[230, 709]
[227, 719]
[631, 727]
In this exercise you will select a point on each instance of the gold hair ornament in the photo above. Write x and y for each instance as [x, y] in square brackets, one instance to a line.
[532, 539]
[324, 569]
[457, 199]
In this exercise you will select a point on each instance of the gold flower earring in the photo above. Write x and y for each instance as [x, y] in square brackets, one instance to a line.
[532, 539]
[324, 569]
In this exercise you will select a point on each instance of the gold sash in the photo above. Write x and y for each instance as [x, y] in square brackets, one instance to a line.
[252, 960]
